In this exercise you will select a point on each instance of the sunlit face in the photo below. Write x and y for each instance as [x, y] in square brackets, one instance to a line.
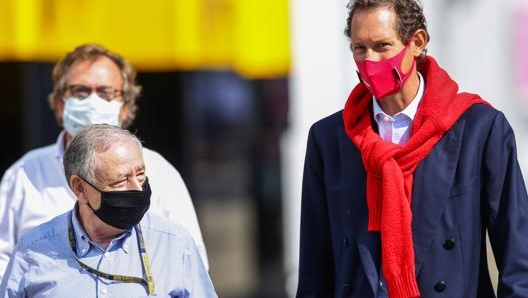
[102, 72]
[374, 36]
[119, 168]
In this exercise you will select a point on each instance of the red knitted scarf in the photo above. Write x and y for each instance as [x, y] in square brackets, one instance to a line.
[390, 167]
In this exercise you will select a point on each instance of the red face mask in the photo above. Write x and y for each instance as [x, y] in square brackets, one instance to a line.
[383, 77]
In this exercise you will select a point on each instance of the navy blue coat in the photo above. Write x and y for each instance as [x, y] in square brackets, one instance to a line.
[469, 183]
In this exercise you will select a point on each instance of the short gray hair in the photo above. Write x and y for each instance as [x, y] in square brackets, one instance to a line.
[80, 158]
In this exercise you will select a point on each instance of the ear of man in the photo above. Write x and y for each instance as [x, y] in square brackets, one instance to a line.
[78, 188]
[419, 42]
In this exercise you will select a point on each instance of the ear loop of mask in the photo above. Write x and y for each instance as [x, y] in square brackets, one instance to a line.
[93, 186]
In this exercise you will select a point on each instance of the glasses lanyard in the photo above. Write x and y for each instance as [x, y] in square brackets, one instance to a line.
[149, 281]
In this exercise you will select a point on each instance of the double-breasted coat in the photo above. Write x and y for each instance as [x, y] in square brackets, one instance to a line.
[468, 184]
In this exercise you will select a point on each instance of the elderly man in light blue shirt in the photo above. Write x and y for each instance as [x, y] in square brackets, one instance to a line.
[106, 246]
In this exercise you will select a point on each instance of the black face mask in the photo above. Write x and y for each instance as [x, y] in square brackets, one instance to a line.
[123, 209]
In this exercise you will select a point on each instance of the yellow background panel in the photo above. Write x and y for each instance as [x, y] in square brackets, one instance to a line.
[249, 36]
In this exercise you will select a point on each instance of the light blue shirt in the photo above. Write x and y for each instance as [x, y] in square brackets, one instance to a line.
[43, 263]
[396, 129]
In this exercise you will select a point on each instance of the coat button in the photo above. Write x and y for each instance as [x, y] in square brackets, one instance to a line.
[449, 244]
[347, 288]
[345, 242]
[440, 286]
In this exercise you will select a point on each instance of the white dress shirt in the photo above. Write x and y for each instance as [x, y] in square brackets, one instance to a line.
[34, 190]
[397, 129]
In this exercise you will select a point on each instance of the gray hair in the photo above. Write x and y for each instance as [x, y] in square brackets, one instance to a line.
[80, 158]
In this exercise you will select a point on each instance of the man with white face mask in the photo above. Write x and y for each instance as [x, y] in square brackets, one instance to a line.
[91, 86]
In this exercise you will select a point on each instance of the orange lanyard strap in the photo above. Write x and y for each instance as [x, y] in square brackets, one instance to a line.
[148, 282]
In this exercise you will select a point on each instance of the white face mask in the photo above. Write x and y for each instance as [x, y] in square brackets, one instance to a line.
[79, 113]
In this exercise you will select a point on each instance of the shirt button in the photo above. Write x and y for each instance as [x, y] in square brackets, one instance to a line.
[345, 242]
[386, 119]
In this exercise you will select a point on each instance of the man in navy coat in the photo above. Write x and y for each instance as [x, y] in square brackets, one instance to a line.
[402, 185]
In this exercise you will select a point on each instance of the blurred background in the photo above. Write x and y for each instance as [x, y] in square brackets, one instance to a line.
[230, 88]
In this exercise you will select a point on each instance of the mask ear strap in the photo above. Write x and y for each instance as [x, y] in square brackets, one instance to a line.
[85, 180]
[359, 76]
[89, 205]
[95, 189]
[361, 80]
[396, 73]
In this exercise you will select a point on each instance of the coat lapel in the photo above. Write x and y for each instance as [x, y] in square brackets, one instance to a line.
[432, 184]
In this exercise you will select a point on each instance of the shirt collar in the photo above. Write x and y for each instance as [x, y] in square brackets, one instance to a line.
[409, 111]
[81, 238]
[84, 243]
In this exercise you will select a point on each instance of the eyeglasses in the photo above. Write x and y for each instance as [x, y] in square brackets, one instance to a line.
[105, 92]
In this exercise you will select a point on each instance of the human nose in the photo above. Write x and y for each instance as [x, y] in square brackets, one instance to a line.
[371, 55]
[365, 54]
